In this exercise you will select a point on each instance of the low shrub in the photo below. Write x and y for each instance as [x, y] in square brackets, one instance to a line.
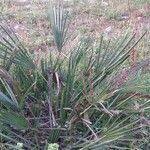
[85, 100]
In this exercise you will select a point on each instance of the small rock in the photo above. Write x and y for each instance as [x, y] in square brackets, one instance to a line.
[139, 18]
[16, 27]
[125, 17]
[108, 29]
[104, 3]
[22, 1]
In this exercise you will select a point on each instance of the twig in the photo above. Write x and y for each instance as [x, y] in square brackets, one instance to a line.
[90, 129]
[52, 120]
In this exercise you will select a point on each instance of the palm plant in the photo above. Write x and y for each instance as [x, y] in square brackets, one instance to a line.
[73, 102]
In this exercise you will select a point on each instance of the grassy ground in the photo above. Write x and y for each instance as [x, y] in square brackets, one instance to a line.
[29, 19]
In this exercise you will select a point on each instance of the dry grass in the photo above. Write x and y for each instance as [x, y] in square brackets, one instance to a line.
[109, 17]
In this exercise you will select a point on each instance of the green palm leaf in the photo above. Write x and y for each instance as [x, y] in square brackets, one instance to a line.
[13, 119]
